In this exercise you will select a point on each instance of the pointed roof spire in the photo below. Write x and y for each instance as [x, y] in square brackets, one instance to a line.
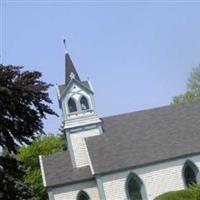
[70, 70]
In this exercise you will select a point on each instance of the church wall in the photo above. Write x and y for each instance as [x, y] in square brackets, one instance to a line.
[157, 179]
[70, 192]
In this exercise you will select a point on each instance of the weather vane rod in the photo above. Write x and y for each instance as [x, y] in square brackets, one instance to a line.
[65, 45]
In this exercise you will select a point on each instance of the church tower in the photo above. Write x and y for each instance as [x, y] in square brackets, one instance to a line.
[76, 100]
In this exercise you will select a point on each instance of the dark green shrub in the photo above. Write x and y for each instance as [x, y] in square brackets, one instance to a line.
[178, 195]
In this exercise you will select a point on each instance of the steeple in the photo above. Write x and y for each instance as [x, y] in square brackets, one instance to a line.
[70, 71]
[76, 99]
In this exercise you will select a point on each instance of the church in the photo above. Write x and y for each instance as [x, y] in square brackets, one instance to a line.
[136, 156]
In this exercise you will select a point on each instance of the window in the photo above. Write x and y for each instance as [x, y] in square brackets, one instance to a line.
[82, 196]
[190, 172]
[72, 105]
[135, 188]
[84, 103]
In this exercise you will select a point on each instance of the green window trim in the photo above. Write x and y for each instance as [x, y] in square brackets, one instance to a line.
[133, 178]
[193, 170]
[82, 195]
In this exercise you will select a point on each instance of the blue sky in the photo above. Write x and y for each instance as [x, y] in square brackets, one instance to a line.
[136, 54]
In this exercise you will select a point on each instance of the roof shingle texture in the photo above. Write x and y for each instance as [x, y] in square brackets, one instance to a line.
[58, 170]
[69, 68]
[132, 140]
[143, 137]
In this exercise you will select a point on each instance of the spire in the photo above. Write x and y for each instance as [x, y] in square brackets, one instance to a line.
[70, 71]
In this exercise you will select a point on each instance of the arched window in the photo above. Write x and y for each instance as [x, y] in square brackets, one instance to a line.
[190, 172]
[82, 196]
[135, 188]
[72, 105]
[84, 103]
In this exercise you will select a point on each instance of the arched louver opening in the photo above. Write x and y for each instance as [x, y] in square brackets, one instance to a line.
[135, 188]
[190, 172]
[82, 196]
[72, 105]
[84, 103]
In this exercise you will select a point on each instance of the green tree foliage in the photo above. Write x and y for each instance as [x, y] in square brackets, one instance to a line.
[28, 155]
[193, 89]
[195, 190]
[12, 177]
[191, 193]
[178, 195]
[188, 97]
[24, 103]
[194, 81]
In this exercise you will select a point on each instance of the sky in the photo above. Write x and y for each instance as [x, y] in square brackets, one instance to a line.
[137, 54]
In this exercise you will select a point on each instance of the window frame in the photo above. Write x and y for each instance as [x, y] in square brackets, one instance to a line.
[88, 103]
[68, 108]
[195, 169]
[134, 176]
[82, 192]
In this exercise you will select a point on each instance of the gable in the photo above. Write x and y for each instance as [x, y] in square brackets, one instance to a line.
[76, 91]
[70, 88]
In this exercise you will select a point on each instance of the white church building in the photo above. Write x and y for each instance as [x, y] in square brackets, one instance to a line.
[137, 155]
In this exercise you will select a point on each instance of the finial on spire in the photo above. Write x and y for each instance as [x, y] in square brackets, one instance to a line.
[65, 45]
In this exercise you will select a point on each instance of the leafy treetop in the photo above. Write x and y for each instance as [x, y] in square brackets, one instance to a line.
[193, 89]
[24, 102]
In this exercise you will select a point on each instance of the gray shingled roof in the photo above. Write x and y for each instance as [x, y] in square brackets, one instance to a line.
[132, 140]
[58, 170]
[86, 84]
[61, 89]
[140, 138]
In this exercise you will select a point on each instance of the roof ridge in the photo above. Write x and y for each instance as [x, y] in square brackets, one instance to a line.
[149, 109]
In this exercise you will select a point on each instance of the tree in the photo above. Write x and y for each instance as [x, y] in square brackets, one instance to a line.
[194, 81]
[191, 193]
[177, 195]
[24, 103]
[28, 155]
[193, 89]
[13, 176]
[188, 97]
